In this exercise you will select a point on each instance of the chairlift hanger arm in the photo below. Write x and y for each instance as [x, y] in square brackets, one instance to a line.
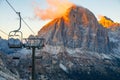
[19, 23]
[16, 13]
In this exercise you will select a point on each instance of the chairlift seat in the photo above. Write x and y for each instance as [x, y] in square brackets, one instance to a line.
[16, 58]
[14, 35]
[14, 43]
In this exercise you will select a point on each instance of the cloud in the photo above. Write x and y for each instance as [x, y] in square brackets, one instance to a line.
[55, 9]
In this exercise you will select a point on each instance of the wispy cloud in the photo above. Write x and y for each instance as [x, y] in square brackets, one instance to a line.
[56, 8]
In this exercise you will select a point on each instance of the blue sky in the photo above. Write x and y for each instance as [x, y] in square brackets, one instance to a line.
[9, 20]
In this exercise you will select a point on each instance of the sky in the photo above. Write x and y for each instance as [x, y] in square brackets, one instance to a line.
[9, 21]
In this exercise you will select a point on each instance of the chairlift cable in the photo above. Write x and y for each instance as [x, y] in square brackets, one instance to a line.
[21, 17]
[27, 25]
[3, 32]
[11, 6]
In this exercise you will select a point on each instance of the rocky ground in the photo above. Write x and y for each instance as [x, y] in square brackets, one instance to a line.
[6, 71]
[65, 66]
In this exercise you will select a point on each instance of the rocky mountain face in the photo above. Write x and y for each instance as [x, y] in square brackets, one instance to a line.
[65, 66]
[77, 28]
[113, 32]
[76, 47]
[7, 72]
[114, 37]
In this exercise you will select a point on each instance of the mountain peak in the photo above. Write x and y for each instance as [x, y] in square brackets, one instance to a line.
[108, 23]
[77, 28]
[80, 12]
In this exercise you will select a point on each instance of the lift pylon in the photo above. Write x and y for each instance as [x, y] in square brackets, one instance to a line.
[33, 43]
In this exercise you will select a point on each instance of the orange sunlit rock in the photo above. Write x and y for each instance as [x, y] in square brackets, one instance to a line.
[56, 8]
[107, 22]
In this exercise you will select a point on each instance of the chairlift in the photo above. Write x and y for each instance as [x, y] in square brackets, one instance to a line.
[16, 58]
[14, 41]
[30, 66]
[15, 37]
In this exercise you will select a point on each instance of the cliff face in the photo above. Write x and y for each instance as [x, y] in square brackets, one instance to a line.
[6, 71]
[77, 28]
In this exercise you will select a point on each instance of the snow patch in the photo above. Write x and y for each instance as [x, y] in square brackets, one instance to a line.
[6, 76]
[1, 78]
[21, 53]
[104, 56]
[70, 51]
[64, 68]
[113, 39]
[52, 49]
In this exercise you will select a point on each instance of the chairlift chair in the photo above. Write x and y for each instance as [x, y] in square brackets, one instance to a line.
[15, 39]
[16, 58]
